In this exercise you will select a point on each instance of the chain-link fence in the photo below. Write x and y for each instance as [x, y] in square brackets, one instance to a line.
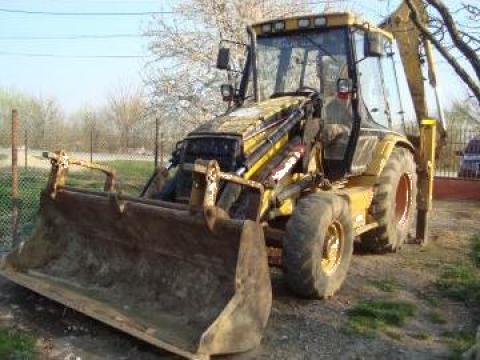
[133, 158]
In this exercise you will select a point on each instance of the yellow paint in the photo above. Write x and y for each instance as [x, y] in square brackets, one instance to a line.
[332, 20]
[428, 145]
[383, 151]
[287, 207]
[246, 119]
[360, 199]
[267, 157]
[267, 195]
[252, 143]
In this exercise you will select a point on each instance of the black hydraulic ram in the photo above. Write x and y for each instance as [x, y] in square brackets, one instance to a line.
[293, 119]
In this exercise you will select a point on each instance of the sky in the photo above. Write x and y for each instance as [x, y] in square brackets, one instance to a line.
[88, 80]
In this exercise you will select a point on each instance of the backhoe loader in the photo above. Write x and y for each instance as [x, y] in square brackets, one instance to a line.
[311, 157]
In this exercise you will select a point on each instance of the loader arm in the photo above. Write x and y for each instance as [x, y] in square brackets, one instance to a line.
[411, 43]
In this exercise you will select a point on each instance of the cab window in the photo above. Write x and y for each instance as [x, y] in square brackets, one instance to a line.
[370, 79]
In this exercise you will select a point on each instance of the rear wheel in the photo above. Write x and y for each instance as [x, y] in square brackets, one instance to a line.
[394, 203]
[318, 246]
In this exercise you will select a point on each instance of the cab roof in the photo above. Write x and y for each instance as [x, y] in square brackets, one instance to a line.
[316, 21]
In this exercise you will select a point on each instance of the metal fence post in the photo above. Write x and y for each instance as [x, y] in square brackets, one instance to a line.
[15, 211]
[156, 142]
[162, 150]
[91, 143]
[26, 148]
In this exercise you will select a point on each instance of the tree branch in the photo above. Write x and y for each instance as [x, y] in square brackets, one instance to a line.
[469, 81]
[456, 36]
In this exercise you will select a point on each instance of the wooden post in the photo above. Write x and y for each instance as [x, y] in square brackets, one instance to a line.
[157, 125]
[162, 150]
[14, 138]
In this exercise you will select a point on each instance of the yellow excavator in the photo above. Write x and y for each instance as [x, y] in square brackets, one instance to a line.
[313, 156]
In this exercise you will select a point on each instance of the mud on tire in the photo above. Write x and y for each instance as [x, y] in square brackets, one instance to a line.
[394, 204]
[310, 243]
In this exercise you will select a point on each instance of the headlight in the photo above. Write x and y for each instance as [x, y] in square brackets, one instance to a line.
[279, 26]
[320, 21]
[304, 23]
[267, 28]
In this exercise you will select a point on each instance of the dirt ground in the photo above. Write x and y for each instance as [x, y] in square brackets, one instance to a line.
[298, 329]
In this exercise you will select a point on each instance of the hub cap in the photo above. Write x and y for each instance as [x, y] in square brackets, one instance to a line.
[332, 248]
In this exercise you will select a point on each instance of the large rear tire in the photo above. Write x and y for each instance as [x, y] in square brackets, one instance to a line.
[318, 246]
[394, 203]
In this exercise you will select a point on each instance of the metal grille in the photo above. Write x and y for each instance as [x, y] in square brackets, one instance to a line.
[460, 157]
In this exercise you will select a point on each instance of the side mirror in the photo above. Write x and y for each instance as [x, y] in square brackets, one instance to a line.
[223, 59]
[228, 92]
[344, 88]
[374, 44]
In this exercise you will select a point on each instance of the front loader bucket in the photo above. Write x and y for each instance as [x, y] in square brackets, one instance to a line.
[154, 272]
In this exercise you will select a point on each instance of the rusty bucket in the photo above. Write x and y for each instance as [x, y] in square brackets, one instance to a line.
[153, 270]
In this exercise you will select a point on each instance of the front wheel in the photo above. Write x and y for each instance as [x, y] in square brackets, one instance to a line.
[318, 246]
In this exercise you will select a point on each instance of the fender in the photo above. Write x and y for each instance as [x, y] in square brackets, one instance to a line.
[384, 151]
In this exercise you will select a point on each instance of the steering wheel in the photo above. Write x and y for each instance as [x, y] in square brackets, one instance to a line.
[308, 89]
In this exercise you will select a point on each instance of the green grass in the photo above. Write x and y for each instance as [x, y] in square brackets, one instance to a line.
[436, 318]
[31, 182]
[131, 176]
[459, 342]
[461, 281]
[379, 314]
[16, 345]
[389, 285]
[422, 335]
[475, 250]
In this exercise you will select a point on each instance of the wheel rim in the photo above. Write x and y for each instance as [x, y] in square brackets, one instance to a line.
[402, 200]
[333, 248]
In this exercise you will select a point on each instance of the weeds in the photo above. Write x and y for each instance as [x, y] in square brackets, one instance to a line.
[461, 281]
[436, 318]
[422, 335]
[389, 285]
[378, 314]
[475, 250]
[459, 342]
[16, 345]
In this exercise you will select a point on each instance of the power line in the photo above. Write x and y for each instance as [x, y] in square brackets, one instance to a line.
[73, 37]
[65, 56]
[51, 13]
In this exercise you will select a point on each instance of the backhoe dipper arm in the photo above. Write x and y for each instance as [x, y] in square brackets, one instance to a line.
[411, 42]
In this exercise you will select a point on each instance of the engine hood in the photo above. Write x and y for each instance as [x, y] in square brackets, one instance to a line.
[248, 120]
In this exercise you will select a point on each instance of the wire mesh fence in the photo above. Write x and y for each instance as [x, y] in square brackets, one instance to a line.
[134, 159]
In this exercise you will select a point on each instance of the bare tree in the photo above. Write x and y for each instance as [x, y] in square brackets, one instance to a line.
[455, 34]
[126, 109]
[183, 80]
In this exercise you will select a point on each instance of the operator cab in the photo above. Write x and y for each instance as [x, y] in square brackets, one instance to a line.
[353, 67]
